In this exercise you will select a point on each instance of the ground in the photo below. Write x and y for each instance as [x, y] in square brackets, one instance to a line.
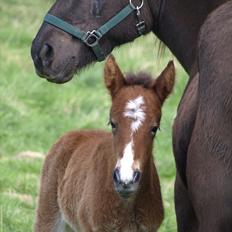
[34, 113]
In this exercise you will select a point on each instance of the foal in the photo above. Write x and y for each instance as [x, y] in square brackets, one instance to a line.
[98, 181]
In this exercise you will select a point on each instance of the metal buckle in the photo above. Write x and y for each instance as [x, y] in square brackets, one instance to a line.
[92, 37]
[136, 7]
[141, 27]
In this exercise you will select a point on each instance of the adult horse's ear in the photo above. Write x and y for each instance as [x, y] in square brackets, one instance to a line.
[114, 79]
[164, 83]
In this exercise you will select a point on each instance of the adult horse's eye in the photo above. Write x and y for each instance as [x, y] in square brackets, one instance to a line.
[154, 130]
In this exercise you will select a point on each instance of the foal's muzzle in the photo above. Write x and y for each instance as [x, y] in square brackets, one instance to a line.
[127, 188]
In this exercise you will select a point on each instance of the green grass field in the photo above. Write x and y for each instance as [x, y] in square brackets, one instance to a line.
[34, 113]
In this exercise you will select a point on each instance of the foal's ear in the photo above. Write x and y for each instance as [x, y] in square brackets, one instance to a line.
[164, 83]
[114, 79]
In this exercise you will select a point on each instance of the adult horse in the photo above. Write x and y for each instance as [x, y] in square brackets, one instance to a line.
[209, 156]
[57, 56]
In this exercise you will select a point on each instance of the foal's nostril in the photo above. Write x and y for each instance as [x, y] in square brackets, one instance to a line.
[136, 176]
[126, 185]
[116, 176]
[46, 54]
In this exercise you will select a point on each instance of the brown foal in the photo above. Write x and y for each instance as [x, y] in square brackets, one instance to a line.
[100, 181]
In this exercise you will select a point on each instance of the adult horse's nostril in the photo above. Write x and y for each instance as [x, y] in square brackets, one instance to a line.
[136, 176]
[116, 176]
[46, 54]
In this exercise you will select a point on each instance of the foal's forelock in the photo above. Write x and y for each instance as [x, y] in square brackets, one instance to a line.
[134, 110]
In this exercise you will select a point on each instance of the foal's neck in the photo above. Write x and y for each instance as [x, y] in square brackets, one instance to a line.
[177, 23]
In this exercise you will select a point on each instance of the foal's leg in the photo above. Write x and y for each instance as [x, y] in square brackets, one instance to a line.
[48, 216]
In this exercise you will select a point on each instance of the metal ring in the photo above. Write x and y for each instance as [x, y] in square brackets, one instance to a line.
[136, 7]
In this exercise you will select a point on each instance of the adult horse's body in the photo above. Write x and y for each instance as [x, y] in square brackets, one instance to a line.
[208, 201]
[177, 23]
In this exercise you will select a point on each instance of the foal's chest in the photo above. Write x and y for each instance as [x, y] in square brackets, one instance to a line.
[118, 226]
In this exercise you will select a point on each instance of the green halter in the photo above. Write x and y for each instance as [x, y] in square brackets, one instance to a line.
[91, 38]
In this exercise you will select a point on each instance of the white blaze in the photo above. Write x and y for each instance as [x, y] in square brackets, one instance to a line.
[126, 172]
[134, 110]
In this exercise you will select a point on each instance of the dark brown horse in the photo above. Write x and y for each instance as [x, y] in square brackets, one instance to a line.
[57, 56]
[103, 182]
[208, 170]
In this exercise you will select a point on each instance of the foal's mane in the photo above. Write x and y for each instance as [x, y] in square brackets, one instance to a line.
[142, 79]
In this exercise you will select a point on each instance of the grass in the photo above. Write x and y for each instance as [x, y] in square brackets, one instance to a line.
[34, 113]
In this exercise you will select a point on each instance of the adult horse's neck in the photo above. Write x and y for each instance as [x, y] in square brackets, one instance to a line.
[177, 24]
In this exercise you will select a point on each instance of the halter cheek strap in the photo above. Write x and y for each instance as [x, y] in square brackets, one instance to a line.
[91, 38]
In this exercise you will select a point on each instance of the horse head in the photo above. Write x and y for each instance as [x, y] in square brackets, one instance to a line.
[66, 40]
[134, 117]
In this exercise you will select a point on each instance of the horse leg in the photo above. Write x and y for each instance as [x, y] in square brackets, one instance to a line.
[186, 218]
[48, 216]
[209, 179]
[84, 223]
[182, 131]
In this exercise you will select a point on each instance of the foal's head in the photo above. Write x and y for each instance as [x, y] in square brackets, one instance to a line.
[134, 117]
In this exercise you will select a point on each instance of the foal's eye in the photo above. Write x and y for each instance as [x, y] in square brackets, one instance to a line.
[113, 125]
[154, 130]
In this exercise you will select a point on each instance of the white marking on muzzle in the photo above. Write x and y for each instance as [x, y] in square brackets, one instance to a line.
[134, 110]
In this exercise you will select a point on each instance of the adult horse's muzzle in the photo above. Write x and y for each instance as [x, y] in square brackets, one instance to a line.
[47, 67]
[59, 41]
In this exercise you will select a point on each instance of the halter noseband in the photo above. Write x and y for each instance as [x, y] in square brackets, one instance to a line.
[91, 38]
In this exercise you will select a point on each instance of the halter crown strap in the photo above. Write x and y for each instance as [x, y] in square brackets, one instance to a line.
[116, 19]
[91, 38]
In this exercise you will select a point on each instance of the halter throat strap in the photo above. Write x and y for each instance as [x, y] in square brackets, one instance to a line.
[91, 38]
